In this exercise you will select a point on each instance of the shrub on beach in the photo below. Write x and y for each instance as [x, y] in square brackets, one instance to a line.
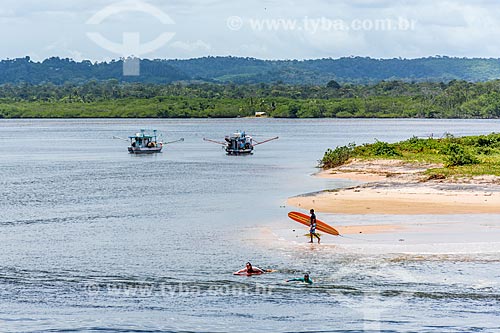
[468, 155]
[377, 149]
[485, 150]
[419, 145]
[457, 155]
[483, 141]
[337, 156]
[381, 148]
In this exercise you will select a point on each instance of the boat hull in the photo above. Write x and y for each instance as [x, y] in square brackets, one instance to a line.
[239, 151]
[138, 150]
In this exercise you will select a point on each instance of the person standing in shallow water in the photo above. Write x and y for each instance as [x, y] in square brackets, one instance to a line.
[312, 230]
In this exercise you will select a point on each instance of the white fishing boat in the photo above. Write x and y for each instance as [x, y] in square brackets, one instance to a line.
[146, 142]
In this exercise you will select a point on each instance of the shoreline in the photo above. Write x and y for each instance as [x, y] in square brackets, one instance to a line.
[394, 187]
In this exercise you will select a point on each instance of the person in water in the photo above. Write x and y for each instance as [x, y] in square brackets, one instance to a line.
[305, 279]
[250, 270]
[312, 230]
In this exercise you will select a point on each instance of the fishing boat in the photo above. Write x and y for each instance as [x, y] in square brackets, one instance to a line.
[239, 143]
[146, 142]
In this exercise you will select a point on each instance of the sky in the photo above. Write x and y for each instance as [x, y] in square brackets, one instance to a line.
[101, 30]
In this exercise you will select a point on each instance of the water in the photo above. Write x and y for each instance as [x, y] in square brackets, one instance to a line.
[95, 239]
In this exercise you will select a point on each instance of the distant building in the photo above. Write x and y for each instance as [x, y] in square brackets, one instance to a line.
[260, 114]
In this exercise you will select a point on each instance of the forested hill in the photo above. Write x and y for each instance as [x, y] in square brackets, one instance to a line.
[59, 71]
[250, 70]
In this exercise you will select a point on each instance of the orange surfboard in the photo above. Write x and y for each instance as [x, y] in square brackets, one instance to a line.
[320, 225]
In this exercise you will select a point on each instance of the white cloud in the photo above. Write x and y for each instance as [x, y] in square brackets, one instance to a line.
[191, 46]
[450, 27]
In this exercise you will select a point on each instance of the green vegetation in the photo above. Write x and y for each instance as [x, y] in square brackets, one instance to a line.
[337, 156]
[394, 99]
[471, 155]
[356, 70]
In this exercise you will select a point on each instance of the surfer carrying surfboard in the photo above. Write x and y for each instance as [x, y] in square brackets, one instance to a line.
[312, 230]
[306, 220]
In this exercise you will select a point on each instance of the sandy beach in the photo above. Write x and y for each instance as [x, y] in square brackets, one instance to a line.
[396, 187]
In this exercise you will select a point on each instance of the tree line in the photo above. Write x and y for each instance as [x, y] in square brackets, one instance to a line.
[111, 98]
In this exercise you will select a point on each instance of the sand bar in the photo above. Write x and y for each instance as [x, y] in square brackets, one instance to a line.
[395, 187]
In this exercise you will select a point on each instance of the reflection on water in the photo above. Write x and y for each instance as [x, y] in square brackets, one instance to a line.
[95, 239]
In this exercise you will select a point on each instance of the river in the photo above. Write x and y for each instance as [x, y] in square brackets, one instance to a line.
[95, 239]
